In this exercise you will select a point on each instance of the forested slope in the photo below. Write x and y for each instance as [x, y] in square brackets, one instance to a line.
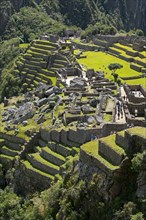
[122, 14]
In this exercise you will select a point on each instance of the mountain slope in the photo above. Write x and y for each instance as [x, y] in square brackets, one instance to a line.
[122, 14]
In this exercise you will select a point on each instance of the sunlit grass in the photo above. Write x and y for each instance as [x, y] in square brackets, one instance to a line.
[100, 61]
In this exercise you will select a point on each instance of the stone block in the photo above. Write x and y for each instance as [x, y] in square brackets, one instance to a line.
[55, 136]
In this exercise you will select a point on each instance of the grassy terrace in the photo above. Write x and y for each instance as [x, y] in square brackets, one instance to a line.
[141, 81]
[110, 141]
[101, 60]
[38, 158]
[91, 148]
[138, 131]
[47, 150]
[122, 133]
[127, 48]
[24, 46]
[3, 156]
[30, 167]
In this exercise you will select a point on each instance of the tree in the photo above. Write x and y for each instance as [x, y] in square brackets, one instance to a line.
[115, 75]
[139, 32]
[114, 66]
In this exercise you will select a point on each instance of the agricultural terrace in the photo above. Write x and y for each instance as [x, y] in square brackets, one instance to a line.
[101, 60]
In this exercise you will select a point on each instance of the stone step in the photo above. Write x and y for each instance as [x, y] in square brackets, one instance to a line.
[39, 163]
[7, 151]
[54, 69]
[41, 51]
[36, 59]
[30, 67]
[29, 71]
[35, 83]
[62, 62]
[33, 63]
[36, 171]
[56, 147]
[43, 76]
[48, 43]
[60, 149]
[2, 142]
[30, 76]
[47, 72]
[44, 47]
[37, 55]
[52, 156]
[109, 150]
[28, 81]
[38, 79]
[58, 66]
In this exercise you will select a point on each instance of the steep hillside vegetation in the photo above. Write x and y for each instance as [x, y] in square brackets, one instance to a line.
[125, 14]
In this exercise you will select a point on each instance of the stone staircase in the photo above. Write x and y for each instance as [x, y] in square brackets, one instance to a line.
[33, 65]
[40, 64]
[48, 156]
[10, 147]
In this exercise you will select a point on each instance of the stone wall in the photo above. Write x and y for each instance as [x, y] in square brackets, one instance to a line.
[78, 136]
[49, 157]
[12, 138]
[131, 97]
[55, 136]
[28, 181]
[94, 162]
[45, 135]
[86, 47]
[60, 149]
[139, 106]
[135, 67]
[121, 141]
[136, 122]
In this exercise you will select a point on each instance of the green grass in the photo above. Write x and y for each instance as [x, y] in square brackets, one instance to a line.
[45, 162]
[23, 45]
[143, 53]
[107, 117]
[141, 81]
[122, 133]
[125, 47]
[101, 60]
[3, 156]
[91, 147]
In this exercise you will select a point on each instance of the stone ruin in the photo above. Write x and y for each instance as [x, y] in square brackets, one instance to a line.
[135, 104]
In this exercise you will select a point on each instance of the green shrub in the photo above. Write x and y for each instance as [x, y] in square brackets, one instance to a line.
[137, 162]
